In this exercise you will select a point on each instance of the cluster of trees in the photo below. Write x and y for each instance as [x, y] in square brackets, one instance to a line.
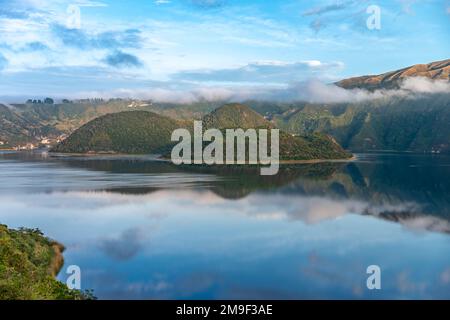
[46, 101]
[39, 101]
[66, 101]
[91, 100]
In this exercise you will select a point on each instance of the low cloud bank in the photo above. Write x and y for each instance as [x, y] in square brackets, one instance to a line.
[318, 92]
[313, 91]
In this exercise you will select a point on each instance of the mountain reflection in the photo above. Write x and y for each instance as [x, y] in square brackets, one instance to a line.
[413, 190]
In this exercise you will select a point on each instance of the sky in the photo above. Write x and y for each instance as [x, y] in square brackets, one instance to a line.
[183, 50]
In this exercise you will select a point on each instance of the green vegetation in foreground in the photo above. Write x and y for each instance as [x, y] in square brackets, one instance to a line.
[29, 263]
[139, 132]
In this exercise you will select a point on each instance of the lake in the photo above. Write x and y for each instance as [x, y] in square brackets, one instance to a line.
[140, 228]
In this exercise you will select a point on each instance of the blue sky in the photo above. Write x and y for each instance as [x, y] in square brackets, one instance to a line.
[163, 49]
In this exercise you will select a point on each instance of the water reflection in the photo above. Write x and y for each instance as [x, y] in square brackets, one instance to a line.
[412, 190]
[141, 228]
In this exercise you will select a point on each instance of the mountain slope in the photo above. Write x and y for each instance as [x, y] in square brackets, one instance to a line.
[416, 123]
[14, 128]
[24, 123]
[396, 123]
[125, 132]
[392, 80]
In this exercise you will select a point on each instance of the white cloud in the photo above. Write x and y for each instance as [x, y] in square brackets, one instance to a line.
[425, 85]
[266, 72]
[445, 276]
[89, 3]
[312, 91]
[207, 54]
[426, 223]
[167, 95]
[409, 287]
[319, 92]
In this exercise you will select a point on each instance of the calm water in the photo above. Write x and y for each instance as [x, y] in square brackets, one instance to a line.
[140, 228]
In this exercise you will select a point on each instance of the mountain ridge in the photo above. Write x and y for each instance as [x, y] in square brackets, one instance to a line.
[438, 70]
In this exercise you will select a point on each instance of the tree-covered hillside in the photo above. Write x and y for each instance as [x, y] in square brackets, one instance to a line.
[134, 132]
[395, 123]
[138, 132]
[301, 147]
[28, 264]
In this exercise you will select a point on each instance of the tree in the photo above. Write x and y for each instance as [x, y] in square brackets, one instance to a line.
[49, 101]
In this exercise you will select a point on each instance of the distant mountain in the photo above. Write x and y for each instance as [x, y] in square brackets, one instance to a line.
[14, 128]
[392, 80]
[390, 124]
[24, 123]
[146, 132]
[134, 132]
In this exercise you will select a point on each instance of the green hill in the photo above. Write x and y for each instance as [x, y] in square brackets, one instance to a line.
[235, 115]
[133, 132]
[146, 132]
[306, 147]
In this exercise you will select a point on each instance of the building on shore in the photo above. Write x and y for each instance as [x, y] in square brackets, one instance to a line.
[28, 146]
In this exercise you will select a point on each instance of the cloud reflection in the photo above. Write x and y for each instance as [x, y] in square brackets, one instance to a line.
[275, 206]
[126, 246]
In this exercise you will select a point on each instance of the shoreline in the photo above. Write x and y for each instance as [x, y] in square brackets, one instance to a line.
[155, 157]
[353, 158]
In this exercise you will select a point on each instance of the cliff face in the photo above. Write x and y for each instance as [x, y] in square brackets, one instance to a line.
[58, 259]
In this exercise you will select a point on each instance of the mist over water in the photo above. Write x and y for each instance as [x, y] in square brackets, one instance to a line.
[146, 229]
